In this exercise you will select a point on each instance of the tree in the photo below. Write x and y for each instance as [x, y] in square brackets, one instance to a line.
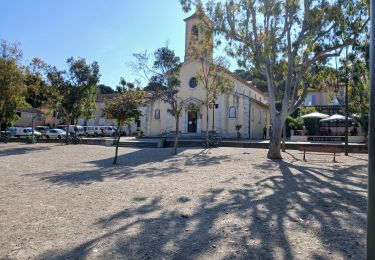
[37, 90]
[75, 89]
[254, 76]
[104, 89]
[263, 34]
[212, 74]
[123, 109]
[12, 87]
[163, 81]
[359, 89]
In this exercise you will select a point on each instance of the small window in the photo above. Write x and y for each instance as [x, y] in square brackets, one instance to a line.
[193, 82]
[157, 114]
[232, 112]
[195, 31]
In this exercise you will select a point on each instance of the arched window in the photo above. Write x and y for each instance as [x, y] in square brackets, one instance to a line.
[194, 30]
[232, 112]
[157, 114]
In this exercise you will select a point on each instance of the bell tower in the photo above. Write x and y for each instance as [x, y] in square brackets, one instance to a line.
[194, 35]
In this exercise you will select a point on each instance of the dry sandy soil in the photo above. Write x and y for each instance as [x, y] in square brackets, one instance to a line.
[69, 202]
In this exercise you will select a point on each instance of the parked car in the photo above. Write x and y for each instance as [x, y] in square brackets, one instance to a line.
[6, 132]
[73, 129]
[107, 130]
[42, 129]
[93, 131]
[12, 131]
[26, 131]
[55, 133]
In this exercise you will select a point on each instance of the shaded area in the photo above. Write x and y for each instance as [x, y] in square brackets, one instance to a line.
[24, 149]
[134, 164]
[272, 216]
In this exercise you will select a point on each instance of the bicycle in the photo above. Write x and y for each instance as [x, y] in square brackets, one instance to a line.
[4, 139]
[74, 140]
[213, 142]
[31, 140]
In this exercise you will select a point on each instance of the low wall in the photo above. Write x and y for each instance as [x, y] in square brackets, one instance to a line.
[306, 138]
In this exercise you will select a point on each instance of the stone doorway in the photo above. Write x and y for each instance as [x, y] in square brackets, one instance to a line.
[192, 121]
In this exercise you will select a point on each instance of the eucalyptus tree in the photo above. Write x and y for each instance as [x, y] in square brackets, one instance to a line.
[263, 33]
[162, 74]
[75, 89]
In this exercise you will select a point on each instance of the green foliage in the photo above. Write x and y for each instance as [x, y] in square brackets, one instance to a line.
[12, 87]
[162, 73]
[359, 89]
[255, 77]
[104, 89]
[75, 89]
[125, 106]
[294, 123]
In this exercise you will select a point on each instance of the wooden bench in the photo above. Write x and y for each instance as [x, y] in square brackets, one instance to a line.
[317, 149]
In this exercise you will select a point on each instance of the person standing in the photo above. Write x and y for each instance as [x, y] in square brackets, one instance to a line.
[264, 132]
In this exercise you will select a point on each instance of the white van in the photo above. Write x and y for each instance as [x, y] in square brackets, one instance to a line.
[25, 131]
[93, 131]
[79, 130]
[107, 130]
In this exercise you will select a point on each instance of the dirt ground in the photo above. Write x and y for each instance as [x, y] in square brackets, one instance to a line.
[69, 202]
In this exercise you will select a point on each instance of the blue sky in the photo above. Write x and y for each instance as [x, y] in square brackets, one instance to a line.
[107, 31]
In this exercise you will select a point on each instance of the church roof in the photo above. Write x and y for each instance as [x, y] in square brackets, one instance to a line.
[243, 81]
[194, 15]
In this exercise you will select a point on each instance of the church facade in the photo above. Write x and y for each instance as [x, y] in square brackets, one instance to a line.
[244, 106]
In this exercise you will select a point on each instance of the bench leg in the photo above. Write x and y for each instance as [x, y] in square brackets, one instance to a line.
[334, 157]
[304, 155]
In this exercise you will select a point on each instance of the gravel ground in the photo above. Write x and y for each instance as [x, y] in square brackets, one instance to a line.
[69, 202]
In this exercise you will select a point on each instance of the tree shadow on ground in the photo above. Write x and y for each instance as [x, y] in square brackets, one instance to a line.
[134, 164]
[272, 217]
[19, 150]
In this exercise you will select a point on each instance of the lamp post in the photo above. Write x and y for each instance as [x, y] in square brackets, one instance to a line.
[371, 146]
[346, 104]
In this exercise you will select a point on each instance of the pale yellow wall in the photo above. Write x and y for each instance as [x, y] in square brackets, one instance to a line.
[226, 126]
[26, 119]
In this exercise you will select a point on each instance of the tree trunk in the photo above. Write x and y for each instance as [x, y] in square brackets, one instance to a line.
[207, 108]
[275, 139]
[177, 117]
[32, 127]
[67, 131]
[213, 118]
[117, 143]
[284, 137]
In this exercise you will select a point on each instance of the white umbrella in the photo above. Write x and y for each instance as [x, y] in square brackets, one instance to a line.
[335, 117]
[315, 115]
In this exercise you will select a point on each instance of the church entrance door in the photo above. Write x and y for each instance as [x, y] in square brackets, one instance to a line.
[192, 122]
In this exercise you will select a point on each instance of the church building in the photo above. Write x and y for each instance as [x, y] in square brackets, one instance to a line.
[245, 105]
